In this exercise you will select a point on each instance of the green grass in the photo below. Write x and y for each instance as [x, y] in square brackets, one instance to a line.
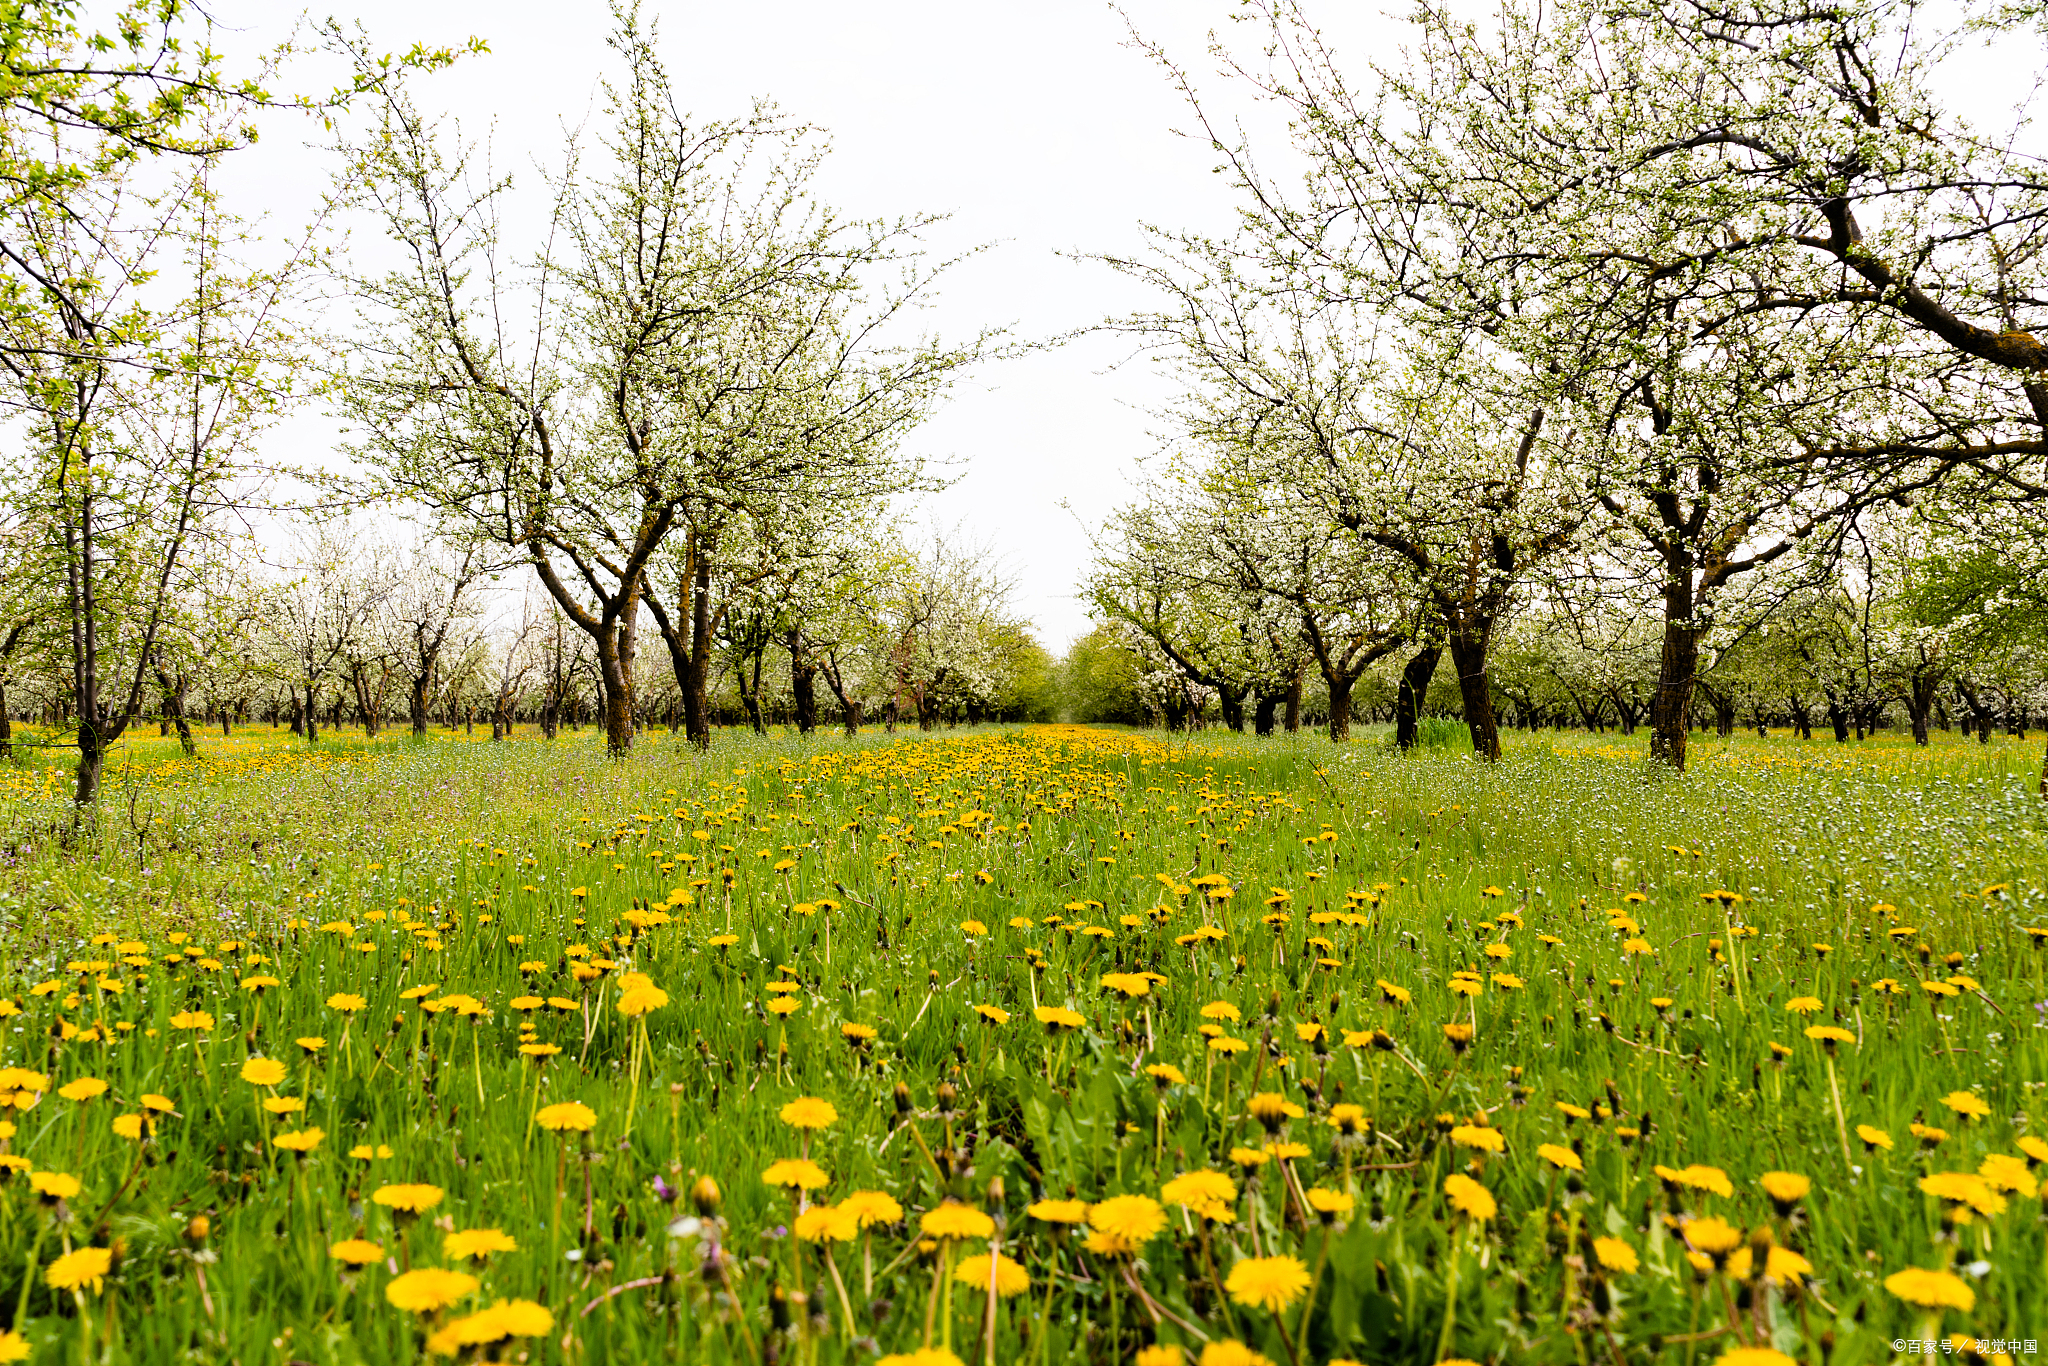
[490, 872]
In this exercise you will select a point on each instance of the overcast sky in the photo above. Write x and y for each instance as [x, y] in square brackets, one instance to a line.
[1035, 125]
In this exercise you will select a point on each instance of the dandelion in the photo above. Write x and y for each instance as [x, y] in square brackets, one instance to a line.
[955, 1220]
[1927, 1289]
[407, 1199]
[808, 1113]
[1208, 1194]
[1785, 1266]
[429, 1289]
[1010, 1278]
[1469, 1198]
[1617, 1256]
[1966, 1105]
[796, 1173]
[1963, 1190]
[1713, 1238]
[1479, 1137]
[1786, 1189]
[567, 1117]
[504, 1319]
[84, 1269]
[1231, 1352]
[1330, 1205]
[477, 1244]
[263, 1071]
[870, 1208]
[641, 1000]
[1269, 1283]
[356, 1252]
[53, 1186]
[1124, 1223]
[822, 1222]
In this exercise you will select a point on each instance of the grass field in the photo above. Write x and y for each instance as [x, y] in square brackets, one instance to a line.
[1046, 1044]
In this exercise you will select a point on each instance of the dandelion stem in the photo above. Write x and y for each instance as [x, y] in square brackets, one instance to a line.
[1443, 1343]
[1841, 1124]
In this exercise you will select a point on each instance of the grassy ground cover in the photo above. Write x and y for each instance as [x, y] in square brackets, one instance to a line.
[1047, 1044]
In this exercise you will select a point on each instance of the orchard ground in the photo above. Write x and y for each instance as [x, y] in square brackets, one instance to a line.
[1049, 1043]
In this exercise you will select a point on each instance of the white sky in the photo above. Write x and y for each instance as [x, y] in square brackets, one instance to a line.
[1034, 124]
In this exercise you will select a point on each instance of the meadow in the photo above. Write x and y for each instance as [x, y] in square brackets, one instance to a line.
[1019, 1045]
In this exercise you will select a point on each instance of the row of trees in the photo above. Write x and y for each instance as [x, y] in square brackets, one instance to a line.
[677, 411]
[356, 631]
[1690, 353]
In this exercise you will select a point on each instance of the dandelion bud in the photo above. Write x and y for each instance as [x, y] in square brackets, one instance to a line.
[197, 1230]
[705, 1197]
[902, 1099]
[946, 1095]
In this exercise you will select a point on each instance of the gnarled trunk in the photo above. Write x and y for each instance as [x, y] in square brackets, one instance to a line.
[1468, 657]
[1230, 702]
[803, 684]
[1677, 672]
[1414, 691]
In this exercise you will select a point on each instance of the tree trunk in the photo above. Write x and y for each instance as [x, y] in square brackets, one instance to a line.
[416, 705]
[1919, 699]
[750, 693]
[1230, 703]
[696, 698]
[173, 691]
[6, 729]
[1677, 671]
[1263, 713]
[803, 684]
[1414, 692]
[1468, 657]
[1293, 713]
[1838, 719]
[92, 757]
[1980, 715]
[312, 714]
[618, 701]
[1340, 706]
